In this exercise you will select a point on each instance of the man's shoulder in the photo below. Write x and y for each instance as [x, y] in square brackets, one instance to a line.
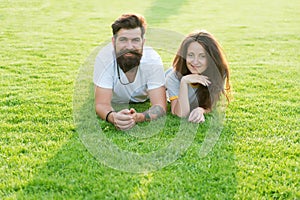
[106, 50]
[147, 50]
[150, 55]
[105, 53]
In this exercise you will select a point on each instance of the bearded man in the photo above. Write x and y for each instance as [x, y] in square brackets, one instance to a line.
[127, 71]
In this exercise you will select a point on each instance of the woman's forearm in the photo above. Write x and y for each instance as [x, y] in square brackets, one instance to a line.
[182, 107]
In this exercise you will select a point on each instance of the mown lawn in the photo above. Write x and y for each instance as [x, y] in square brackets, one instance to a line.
[46, 51]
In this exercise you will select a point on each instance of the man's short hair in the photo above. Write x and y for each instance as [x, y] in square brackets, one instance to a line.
[129, 21]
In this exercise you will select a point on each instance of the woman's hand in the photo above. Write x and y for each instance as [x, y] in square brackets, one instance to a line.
[197, 115]
[196, 78]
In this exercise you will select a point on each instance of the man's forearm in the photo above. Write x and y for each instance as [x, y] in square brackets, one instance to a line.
[155, 112]
[103, 110]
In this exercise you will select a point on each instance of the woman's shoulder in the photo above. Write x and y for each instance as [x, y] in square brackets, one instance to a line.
[171, 75]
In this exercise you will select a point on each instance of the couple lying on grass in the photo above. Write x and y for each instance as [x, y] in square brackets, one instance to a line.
[128, 71]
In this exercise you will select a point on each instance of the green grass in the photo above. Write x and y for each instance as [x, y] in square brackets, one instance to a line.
[43, 50]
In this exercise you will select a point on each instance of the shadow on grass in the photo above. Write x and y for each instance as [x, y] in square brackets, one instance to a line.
[73, 173]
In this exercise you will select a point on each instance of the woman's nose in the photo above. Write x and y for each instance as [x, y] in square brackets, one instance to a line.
[195, 61]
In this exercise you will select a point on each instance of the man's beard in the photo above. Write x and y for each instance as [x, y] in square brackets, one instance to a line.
[126, 63]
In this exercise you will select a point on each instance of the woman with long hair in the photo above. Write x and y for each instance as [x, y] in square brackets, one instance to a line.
[199, 77]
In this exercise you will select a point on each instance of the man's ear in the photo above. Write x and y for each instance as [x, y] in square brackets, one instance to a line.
[113, 40]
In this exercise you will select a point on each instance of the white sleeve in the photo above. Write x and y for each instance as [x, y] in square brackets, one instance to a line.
[155, 76]
[172, 84]
[103, 72]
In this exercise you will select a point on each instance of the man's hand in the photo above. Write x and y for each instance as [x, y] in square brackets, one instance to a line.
[124, 119]
[153, 113]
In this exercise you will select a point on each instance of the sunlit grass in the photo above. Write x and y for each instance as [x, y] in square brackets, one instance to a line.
[43, 44]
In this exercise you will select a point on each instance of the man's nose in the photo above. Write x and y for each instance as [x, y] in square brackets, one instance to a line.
[129, 45]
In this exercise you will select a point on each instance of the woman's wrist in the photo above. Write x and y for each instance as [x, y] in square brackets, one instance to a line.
[204, 111]
[183, 80]
[183, 84]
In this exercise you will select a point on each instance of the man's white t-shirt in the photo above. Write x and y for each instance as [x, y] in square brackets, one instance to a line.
[150, 75]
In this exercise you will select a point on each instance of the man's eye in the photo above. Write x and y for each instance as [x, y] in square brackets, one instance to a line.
[137, 40]
[122, 39]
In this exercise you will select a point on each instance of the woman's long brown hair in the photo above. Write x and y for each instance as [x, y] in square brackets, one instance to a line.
[217, 68]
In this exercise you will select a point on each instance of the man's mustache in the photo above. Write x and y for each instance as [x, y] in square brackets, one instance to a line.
[134, 52]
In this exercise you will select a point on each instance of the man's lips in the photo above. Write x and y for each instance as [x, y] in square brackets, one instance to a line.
[128, 54]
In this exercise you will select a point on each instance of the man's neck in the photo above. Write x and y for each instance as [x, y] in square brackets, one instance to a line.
[131, 74]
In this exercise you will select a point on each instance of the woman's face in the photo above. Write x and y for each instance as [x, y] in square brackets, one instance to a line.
[196, 60]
